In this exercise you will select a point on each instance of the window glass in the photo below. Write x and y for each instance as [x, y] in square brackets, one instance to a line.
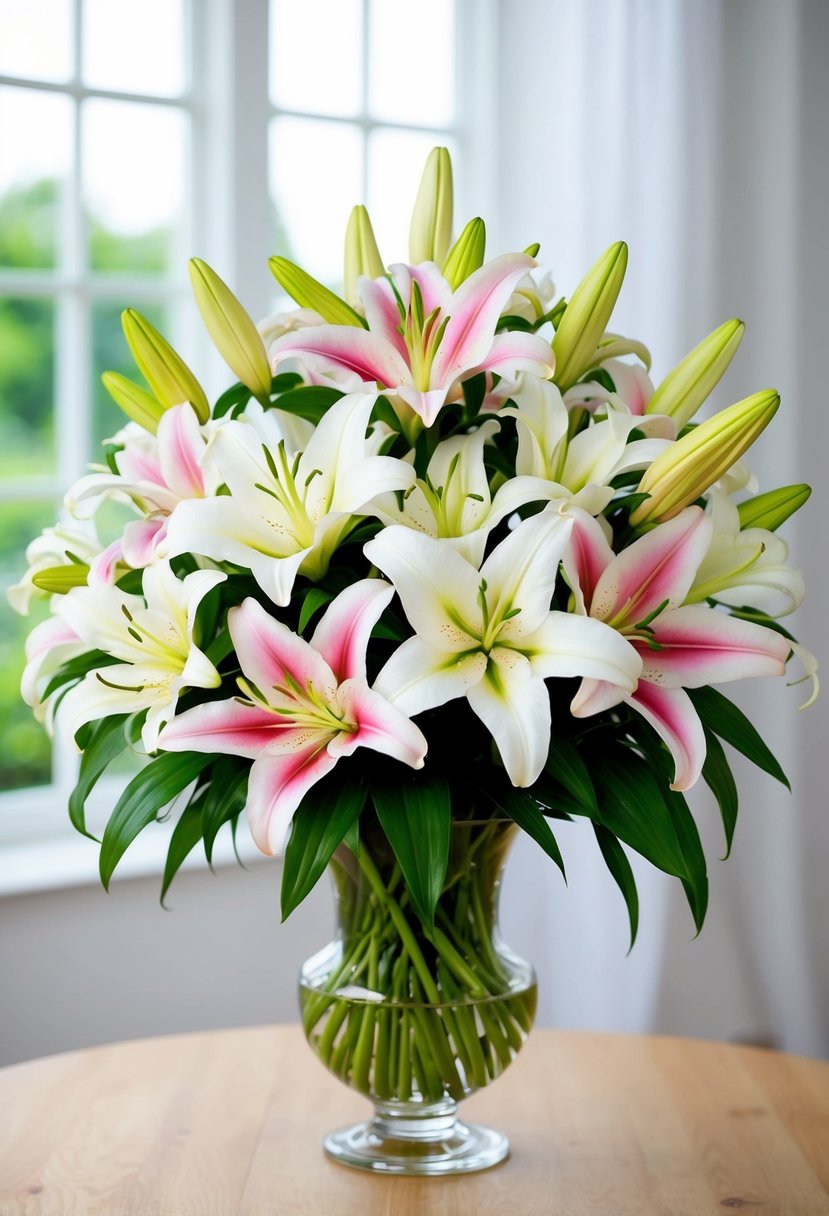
[316, 55]
[412, 62]
[36, 39]
[27, 388]
[395, 164]
[134, 48]
[35, 157]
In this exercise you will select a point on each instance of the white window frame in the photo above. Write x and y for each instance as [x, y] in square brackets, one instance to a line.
[230, 113]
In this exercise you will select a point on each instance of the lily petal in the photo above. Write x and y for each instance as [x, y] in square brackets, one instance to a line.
[233, 727]
[419, 676]
[673, 717]
[342, 635]
[571, 645]
[699, 646]
[276, 786]
[381, 726]
[474, 310]
[273, 656]
[373, 357]
[521, 572]
[516, 711]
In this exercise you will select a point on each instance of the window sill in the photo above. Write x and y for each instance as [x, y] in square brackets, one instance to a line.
[70, 860]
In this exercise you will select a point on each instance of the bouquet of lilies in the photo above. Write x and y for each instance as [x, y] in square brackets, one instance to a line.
[443, 549]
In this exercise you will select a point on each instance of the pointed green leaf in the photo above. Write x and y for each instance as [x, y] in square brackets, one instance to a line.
[724, 718]
[717, 775]
[225, 799]
[186, 835]
[311, 401]
[150, 791]
[524, 810]
[619, 866]
[696, 882]
[415, 812]
[106, 741]
[315, 597]
[566, 765]
[319, 825]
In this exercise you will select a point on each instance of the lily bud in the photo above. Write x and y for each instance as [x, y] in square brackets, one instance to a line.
[684, 389]
[587, 314]
[772, 509]
[233, 332]
[362, 257]
[309, 293]
[167, 374]
[532, 250]
[466, 255]
[139, 405]
[690, 466]
[58, 580]
[431, 227]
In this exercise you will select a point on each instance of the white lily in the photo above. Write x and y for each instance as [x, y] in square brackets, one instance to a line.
[489, 634]
[48, 646]
[74, 542]
[287, 511]
[745, 568]
[152, 641]
[582, 466]
[454, 501]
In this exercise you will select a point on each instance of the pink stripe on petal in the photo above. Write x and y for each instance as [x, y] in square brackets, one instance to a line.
[269, 652]
[140, 539]
[659, 566]
[102, 568]
[180, 448]
[474, 310]
[700, 645]
[673, 717]
[434, 289]
[595, 696]
[232, 727]
[381, 311]
[587, 556]
[342, 635]
[276, 787]
[371, 356]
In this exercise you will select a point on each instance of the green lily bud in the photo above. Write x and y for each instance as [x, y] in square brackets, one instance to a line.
[167, 374]
[773, 508]
[532, 250]
[691, 465]
[309, 293]
[466, 255]
[587, 314]
[58, 580]
[233, 332]
[684, 389]
[139, 405]
[431, 228]
[362, 257]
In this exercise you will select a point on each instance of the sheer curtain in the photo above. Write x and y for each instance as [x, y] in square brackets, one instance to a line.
[697, 131]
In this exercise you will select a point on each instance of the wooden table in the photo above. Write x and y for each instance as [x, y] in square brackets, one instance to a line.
[231, 1122]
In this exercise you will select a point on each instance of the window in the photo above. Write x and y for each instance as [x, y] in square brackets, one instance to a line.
[133, 138]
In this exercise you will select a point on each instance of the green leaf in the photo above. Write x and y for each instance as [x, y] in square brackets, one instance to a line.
[415, 812]
[106, 740]
[237, 394]
[153, 788]
[717, 775]
[619, 866]
[225, 799]
[384, 412]
[524, 810]
[633, 808]
[320, 824]
[314, 600]
[724, 718]
[186, 835]
[696, 884]
[311, 401]
[566, 765]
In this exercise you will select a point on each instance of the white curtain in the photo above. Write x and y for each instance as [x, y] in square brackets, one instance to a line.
[698, 131]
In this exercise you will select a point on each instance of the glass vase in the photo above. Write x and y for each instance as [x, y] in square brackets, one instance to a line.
[417, 1017]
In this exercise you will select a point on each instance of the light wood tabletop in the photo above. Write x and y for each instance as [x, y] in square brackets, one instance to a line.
[231, 1122]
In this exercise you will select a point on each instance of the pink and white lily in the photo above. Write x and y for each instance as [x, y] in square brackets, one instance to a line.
[489, 635]
[49, 645]
[287, 511]
[423, 338]
[150, 635]
[155, 473]
[641, 592]
[304, 705]
[67, 543]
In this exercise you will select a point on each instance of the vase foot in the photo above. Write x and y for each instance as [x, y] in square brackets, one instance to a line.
[394, 1143]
